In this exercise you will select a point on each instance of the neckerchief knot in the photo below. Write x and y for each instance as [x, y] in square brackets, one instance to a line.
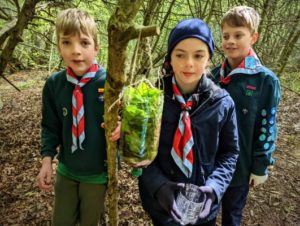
[249, 63]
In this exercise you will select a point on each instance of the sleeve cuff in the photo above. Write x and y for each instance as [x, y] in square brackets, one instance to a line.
[214, 186]
[259, 169]
[48, 153]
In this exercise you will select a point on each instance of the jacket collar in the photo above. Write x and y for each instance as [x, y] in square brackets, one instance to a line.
[250, 65]
[206, 89]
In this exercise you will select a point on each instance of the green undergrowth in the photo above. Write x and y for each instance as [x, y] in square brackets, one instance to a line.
[291, 81]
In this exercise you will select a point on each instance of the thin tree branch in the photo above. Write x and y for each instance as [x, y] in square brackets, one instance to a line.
[10, 83]
[17, 6]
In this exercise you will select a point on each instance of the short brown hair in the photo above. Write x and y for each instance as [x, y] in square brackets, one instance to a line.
[72, 21]
[242, 16]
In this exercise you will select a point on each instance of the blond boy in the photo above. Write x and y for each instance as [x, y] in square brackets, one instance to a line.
[256, 92]
[72, 111]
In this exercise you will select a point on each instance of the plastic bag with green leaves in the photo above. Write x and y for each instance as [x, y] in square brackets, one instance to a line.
[141, 122]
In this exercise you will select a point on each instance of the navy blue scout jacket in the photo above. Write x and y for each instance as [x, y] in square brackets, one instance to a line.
[57, 124]
[215, 147]
[256, 93]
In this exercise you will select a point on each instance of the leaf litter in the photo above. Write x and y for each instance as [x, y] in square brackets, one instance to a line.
[275, 203]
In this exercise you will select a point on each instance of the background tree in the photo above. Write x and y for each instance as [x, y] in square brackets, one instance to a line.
[15, 17]
[277, 47]
[11, 34]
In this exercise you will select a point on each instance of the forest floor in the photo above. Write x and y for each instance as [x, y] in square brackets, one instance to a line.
[276, 203]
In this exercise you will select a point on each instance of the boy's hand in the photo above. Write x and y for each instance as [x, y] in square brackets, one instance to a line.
[256, 180]
[116, 134]
[270, 167]
[44, 179]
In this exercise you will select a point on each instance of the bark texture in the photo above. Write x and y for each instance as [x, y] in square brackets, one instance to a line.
[121, 29]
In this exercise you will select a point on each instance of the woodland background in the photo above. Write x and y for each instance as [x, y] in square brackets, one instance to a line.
[28, 56]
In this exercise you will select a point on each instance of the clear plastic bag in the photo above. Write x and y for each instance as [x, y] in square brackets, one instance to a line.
[141, 122]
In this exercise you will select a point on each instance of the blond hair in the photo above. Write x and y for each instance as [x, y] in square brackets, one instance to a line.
[242, 16]
[75, 21]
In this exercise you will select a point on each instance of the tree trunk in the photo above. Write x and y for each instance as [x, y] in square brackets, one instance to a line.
[121, 29]
[143, 66]
[285, 54]
[24, 17]
[140, 57]
[6, 30]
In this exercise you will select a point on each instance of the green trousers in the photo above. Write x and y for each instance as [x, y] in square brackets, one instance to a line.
[77, 203]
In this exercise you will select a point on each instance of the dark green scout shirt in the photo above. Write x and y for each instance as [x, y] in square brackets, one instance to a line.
[256, 93]
[57, 127]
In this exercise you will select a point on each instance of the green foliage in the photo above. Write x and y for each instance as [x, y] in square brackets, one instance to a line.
[141, 116]
[291, 81]
[38, 48]
[279, 20]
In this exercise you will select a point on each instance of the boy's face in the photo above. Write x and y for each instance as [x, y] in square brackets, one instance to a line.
[78, 51]
[236, 42]
[189, 60]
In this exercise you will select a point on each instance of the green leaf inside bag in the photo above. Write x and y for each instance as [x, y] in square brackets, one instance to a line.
[141, 122]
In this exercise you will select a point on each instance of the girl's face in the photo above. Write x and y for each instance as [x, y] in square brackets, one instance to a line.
[189, 60]
[78, 51]
[236, 43]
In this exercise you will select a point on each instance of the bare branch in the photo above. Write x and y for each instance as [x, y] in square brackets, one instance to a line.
[9, 82]
[3, 14]
[17, 6]
[133, 32]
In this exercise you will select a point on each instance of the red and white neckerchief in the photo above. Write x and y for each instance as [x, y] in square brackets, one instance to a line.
[247, 66]
[183, 141]
[78, 105]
